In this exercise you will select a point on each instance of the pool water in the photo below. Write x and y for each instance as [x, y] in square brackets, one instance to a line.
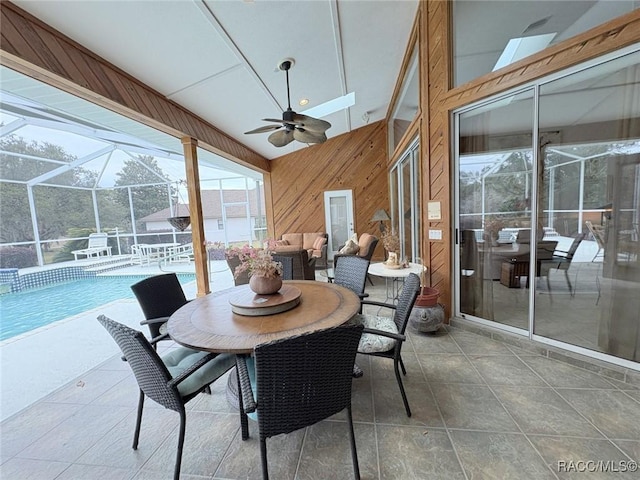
[23, 311]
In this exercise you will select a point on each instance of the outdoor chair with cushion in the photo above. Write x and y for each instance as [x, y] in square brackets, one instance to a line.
[384, 336]
[365, 247]
[159, 297]
[172, 380]
[303, 266]
[296, 382]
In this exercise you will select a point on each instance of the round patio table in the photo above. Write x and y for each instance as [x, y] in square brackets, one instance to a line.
[208, 323]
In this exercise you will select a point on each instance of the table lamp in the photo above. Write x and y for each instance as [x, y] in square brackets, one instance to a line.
[380, 216]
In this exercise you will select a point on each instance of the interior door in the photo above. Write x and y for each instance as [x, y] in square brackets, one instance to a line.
[338, 214]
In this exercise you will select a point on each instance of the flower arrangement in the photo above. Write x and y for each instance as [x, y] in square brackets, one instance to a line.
[391, 241]
[255, 261]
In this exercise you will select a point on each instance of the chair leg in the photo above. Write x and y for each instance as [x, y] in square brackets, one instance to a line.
[370, 281]
[136, 435]
[566, 276]
[354, 452]
[244, 421]
[404, 371]
[402, 392]
[263, 458]
[183, 422]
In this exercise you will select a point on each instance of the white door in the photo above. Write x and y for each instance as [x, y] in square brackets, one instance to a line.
[338, 214]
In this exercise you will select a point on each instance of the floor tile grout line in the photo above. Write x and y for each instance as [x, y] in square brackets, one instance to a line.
[522, 432]
[442, 419]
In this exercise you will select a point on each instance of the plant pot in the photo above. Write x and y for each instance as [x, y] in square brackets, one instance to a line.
[428, 297]
[265, 285]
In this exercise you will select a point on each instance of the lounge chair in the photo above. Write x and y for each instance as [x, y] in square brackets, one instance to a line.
[96, 247]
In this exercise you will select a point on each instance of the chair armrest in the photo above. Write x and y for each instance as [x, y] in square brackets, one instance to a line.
[379, 304]
[244, 384]
[160, 337]
[153, 321]
[363, 295]
[396, 336]
[189, 371]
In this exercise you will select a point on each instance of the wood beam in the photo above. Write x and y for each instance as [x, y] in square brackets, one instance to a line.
[190, 146]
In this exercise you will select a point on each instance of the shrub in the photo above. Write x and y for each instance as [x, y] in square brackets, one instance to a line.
[18, 257]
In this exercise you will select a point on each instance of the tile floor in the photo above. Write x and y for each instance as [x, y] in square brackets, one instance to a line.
[482, 409]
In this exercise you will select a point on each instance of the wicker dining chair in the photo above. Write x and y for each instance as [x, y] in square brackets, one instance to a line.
[171, 380]
[384, 336]
[159, 297]
[296, 382]
[351, 272]
[287, 265]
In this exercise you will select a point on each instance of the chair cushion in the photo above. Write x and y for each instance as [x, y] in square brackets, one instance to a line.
[293, 239]
[181, 358]
[370, 342]
[350, 248]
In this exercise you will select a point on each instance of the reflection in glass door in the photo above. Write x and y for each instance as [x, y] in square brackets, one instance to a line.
[494, 201]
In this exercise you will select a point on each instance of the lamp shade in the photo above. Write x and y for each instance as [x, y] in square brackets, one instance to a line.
[380, 216]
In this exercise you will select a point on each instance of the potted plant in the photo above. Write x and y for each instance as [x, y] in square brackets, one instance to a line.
[391, 243]
[265, 274]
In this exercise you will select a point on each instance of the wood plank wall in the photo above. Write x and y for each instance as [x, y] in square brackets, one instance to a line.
[35, 49]
[435, 161]
[353, 161]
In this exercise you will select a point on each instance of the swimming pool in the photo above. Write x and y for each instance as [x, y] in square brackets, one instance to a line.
[27, 310]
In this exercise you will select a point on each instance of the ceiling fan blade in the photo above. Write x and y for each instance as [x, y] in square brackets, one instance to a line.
[266, 128]
[310, 123]
[332, 106]
[281, 138]
[290, 122]
[305, 136]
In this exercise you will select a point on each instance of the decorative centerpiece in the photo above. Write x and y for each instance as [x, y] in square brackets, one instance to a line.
[391, 243]
[265, 274]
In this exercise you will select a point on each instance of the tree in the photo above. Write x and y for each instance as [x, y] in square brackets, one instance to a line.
[57, 209]
[144, 177]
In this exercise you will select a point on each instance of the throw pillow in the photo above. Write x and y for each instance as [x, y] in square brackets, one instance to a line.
[350, 248]
[319, 243]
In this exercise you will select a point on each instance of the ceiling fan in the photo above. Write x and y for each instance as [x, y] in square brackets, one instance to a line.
[293, 126]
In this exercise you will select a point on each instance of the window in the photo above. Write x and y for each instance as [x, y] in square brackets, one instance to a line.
[514, 30]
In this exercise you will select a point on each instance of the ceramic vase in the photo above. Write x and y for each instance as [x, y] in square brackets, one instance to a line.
[265, 285]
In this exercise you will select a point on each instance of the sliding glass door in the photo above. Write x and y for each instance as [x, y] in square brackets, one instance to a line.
[590, 191]
[405, 197]
[548, 209]
[495, 181]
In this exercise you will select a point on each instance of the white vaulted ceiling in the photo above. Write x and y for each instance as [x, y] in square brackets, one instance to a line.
[219, 58]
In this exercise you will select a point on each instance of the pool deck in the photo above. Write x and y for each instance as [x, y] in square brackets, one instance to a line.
[38, 362]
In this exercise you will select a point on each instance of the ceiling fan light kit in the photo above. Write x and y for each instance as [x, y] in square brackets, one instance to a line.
[293, 126]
